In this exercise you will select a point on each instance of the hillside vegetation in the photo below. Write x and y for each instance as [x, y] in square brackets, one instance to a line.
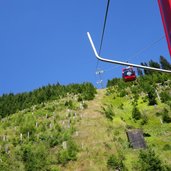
[79, 128]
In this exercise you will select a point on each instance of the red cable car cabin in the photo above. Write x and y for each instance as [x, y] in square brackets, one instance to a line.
[128, 74]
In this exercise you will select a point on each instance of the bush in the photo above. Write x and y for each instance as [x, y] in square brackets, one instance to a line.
[164, 96]
[69, 104]
[152, 97]
[28, 125]
[34, 157]
[121, 106]
[167, 147]
[144, 120]
[136, 113]
[65, 155]
[85, 106]
[123, 93]
[148, 161]
[108, 111]
[166, 118]
[116, 163]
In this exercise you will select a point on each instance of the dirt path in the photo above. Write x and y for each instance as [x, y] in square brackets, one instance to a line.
[92, 137]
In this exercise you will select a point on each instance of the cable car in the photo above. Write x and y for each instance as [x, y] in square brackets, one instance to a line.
[128, 74]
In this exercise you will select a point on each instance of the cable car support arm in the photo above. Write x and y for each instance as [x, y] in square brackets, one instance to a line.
[122, 63]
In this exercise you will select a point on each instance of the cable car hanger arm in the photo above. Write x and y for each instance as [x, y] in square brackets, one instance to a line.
[122, 63]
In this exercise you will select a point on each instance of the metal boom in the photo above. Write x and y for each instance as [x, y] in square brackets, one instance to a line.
[122, 63]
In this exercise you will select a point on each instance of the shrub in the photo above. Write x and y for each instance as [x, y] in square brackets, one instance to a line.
[152, 97]
[121, 106]
[28, 125]
[115, 163]
[136, 113]
[164, 96]
[108, 111]
[34, 157]
[69, 104]
[148, 161]
[167, 147]
[64, 156]
[144, 120]
[166, 118]
[85, 106]
[123, 93]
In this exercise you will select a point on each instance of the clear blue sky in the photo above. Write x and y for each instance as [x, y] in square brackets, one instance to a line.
[45, 41]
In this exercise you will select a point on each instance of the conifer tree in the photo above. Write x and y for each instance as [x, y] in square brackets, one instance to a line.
[164, 63]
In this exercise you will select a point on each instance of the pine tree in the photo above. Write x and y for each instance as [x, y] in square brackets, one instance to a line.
[154, 64]
[164, 63]
[149, 161]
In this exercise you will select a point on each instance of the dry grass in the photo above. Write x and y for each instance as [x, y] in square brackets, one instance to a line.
[93, 138]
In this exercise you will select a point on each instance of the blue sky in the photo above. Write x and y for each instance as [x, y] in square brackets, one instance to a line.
[45, 41]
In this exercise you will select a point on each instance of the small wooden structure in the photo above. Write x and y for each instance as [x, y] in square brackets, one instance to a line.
[136, 138]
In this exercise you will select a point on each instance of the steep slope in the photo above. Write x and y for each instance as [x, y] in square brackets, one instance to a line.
[92, 137]
[99, 137]
[69, 134]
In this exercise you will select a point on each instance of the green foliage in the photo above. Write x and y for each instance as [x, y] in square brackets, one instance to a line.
[166, 118]
[154, 65]
[66, 155]
[167, 147]
[69, 104]
[144, 119]
[115, 163]
[136, 114]
[113, 82]
[63, 157]
[9, 162]
[85, 106]
[121, 106]
[10, 103]
[123, 93]
[34, 156]
[88, 91]
[165, 97]
[164, 63]
[152, 97]
[108, 111]
[121, 85]
[149, 161]
[28, 125]
[135, 99]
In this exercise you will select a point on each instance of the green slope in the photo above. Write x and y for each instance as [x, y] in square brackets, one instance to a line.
[68, 134]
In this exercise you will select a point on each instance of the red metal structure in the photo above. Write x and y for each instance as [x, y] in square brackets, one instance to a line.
[128, 74]
[165, 10]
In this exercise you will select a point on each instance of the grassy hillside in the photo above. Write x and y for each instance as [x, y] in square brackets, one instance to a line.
[70, 133]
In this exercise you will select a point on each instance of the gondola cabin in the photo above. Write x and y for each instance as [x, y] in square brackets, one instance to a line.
[128, 74]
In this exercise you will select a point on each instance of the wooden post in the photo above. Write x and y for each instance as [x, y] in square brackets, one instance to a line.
[76, 133]
[6, 149]
[21, 136]
[69, 123]
[64, 145]
[4, 138]
[28, 135]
